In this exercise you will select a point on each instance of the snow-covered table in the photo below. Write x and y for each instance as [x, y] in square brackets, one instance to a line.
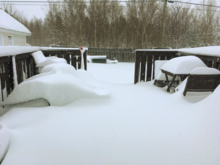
[180, 66]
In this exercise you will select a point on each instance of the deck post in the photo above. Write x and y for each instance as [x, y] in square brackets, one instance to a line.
[143, 66]
[137, 67]
[149, 67]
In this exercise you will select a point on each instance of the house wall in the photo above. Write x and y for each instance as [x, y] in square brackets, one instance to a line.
[17, 39]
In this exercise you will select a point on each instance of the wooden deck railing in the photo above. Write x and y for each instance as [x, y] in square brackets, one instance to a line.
[147, 57]
[26, 67]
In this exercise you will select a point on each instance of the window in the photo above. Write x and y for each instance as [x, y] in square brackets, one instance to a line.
[10, 40]
[1, 40]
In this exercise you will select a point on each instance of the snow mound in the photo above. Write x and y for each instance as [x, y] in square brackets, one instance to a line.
[183, 65]
[59, 84]
[204, 71]
[4, 141]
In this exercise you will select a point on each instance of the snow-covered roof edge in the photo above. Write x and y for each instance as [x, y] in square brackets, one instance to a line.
[7, 22]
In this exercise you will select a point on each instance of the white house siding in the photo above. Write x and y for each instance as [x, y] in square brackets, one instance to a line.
[17, 39]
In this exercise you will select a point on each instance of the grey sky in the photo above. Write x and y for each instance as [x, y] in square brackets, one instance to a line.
[39, 10]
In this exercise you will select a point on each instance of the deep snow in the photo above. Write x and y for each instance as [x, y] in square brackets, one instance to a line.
[137, 124]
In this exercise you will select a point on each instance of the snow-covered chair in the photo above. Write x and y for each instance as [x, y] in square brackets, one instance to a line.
[180, 66]
[42, 61]
[202, 79]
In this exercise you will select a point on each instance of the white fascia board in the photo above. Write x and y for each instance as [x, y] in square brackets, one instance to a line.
[14, 32]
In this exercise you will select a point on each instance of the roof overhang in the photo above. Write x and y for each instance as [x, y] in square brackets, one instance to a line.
[14, 32]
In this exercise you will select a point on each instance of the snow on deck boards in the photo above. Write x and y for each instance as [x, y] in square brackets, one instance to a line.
[138, 124]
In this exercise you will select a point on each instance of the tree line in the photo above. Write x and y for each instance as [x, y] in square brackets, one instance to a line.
[134, 24]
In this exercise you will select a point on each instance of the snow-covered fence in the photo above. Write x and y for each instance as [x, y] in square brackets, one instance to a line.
[121, 54]
[145, 59]
[17, 63]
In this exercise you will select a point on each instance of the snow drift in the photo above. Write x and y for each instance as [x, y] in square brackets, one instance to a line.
[59, 84]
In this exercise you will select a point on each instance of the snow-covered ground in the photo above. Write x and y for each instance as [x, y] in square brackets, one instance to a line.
[135, 125]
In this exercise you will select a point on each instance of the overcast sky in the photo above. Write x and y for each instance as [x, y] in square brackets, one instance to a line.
[39, 10]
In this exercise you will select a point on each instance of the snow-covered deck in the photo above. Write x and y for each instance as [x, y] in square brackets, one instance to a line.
[137, 124]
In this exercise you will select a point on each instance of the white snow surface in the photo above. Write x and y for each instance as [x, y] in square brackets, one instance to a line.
[204, 71]
[59, 84]
[138, 124]
[4, 141]
[183, 65]
[9, 23]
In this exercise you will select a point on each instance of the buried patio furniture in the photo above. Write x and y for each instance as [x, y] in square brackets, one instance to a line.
[202, 80]
[180, 66]
[42, 61]
[160, 78]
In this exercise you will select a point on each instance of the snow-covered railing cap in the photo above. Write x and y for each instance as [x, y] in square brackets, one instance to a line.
[15, 50]
[157, 50]
[60, 48]
[213, 51]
